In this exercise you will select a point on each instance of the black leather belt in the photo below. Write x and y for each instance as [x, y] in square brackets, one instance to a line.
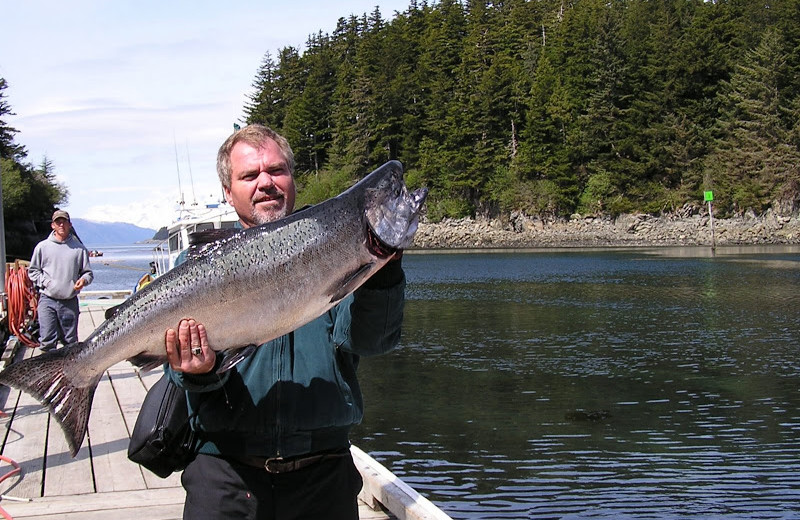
[281, 465]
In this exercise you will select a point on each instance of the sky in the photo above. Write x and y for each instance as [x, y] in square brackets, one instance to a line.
[130, 100]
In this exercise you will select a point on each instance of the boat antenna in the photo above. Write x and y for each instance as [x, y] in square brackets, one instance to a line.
[178, 167]
[191, 179]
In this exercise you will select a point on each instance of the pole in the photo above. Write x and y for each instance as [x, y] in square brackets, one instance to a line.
[709, 196]
[711, 220]
[2, 246]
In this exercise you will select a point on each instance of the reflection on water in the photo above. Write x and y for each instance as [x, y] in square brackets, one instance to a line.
[596, 383]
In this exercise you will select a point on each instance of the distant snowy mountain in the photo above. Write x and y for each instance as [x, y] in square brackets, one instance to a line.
[93, 233]
[157, 211]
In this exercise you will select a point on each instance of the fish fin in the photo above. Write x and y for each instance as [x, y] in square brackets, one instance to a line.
[43, 377]
[202, 241]
[231, 358]
[351, 282]
[147, 361]
[207, 236]
[111, 311]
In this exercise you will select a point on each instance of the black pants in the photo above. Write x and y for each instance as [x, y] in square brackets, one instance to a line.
[218, 488]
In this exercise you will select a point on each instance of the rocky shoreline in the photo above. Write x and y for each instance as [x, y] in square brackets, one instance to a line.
[520, 231]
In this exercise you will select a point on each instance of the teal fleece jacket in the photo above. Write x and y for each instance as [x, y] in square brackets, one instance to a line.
[56, 266]
[299, 393]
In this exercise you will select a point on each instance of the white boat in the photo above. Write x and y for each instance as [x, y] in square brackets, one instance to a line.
[196, 218]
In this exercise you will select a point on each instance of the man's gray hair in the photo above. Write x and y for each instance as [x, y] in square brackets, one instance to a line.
[256, 136]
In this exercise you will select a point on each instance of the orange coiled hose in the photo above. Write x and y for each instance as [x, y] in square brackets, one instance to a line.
[15, 470]
[22, 302]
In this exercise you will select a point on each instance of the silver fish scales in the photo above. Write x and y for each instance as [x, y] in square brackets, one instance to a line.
[246, 286]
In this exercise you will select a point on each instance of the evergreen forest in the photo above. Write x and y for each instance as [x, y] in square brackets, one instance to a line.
[550, 107]
[30, 192]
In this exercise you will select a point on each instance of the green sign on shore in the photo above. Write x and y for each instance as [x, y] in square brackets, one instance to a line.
[709, 196]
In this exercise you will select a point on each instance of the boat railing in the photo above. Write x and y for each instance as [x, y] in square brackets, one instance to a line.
[160, 258]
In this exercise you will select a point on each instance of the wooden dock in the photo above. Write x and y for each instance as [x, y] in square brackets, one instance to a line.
[100, 481]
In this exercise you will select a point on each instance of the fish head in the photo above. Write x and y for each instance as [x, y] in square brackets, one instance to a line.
[392, 211]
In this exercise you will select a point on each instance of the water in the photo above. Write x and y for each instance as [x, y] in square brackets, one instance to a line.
[595, 384]
[646, 383]
[120, 267]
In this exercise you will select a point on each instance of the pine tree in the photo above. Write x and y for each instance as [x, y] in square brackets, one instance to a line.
[442, 45]
[307, 122]
[789, 25]
[594, 144]
[754, 156]
[343, 109]
[8, 148]
[264, 104]
[558, 95]
[409, 28]
[288, 84]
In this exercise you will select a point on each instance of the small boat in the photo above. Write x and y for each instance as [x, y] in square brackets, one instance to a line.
[144, 281]
[95, 253]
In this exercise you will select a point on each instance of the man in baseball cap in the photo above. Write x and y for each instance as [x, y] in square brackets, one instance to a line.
[59, 269]
[60, 213]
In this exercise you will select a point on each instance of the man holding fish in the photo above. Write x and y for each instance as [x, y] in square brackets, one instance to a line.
[263, 327]
[274, 428]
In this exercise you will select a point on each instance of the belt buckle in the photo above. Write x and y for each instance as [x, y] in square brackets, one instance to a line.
[275, 465]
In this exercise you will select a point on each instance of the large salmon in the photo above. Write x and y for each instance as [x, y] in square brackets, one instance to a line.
[247, 288]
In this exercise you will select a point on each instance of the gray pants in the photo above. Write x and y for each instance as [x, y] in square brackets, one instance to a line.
[58, 321]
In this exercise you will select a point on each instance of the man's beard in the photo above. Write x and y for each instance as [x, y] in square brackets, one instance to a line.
[262, 217]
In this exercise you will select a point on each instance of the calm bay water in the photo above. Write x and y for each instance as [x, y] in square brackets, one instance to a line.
[647, 383]
[637, 383]
[120, 267]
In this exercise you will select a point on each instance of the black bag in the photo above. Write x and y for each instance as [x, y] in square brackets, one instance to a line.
[162, 440]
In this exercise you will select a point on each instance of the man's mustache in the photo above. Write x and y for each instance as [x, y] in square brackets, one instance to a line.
[268, 195]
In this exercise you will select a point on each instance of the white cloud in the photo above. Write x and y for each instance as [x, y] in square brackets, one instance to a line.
[108, 90]
[152, 214]
[152, 209]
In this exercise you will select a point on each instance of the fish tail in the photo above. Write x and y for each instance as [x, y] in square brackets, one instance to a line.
[44, 378]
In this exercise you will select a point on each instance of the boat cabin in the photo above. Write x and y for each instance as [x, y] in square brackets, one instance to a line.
[211, 216]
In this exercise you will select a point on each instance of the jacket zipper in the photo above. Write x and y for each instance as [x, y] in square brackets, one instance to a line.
[279, 379]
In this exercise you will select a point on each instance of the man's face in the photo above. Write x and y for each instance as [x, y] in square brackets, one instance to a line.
[262, 187]
[61, 227]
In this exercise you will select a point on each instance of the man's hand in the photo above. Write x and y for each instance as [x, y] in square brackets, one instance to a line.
[80, 284]
[188, 350]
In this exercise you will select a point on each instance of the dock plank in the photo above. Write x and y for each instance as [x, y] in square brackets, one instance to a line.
[26, 440]
[132, 387]
[109, 443]
[92, 314]
[65, 475]
[127, 505]
[154, 504]
[25, 445]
